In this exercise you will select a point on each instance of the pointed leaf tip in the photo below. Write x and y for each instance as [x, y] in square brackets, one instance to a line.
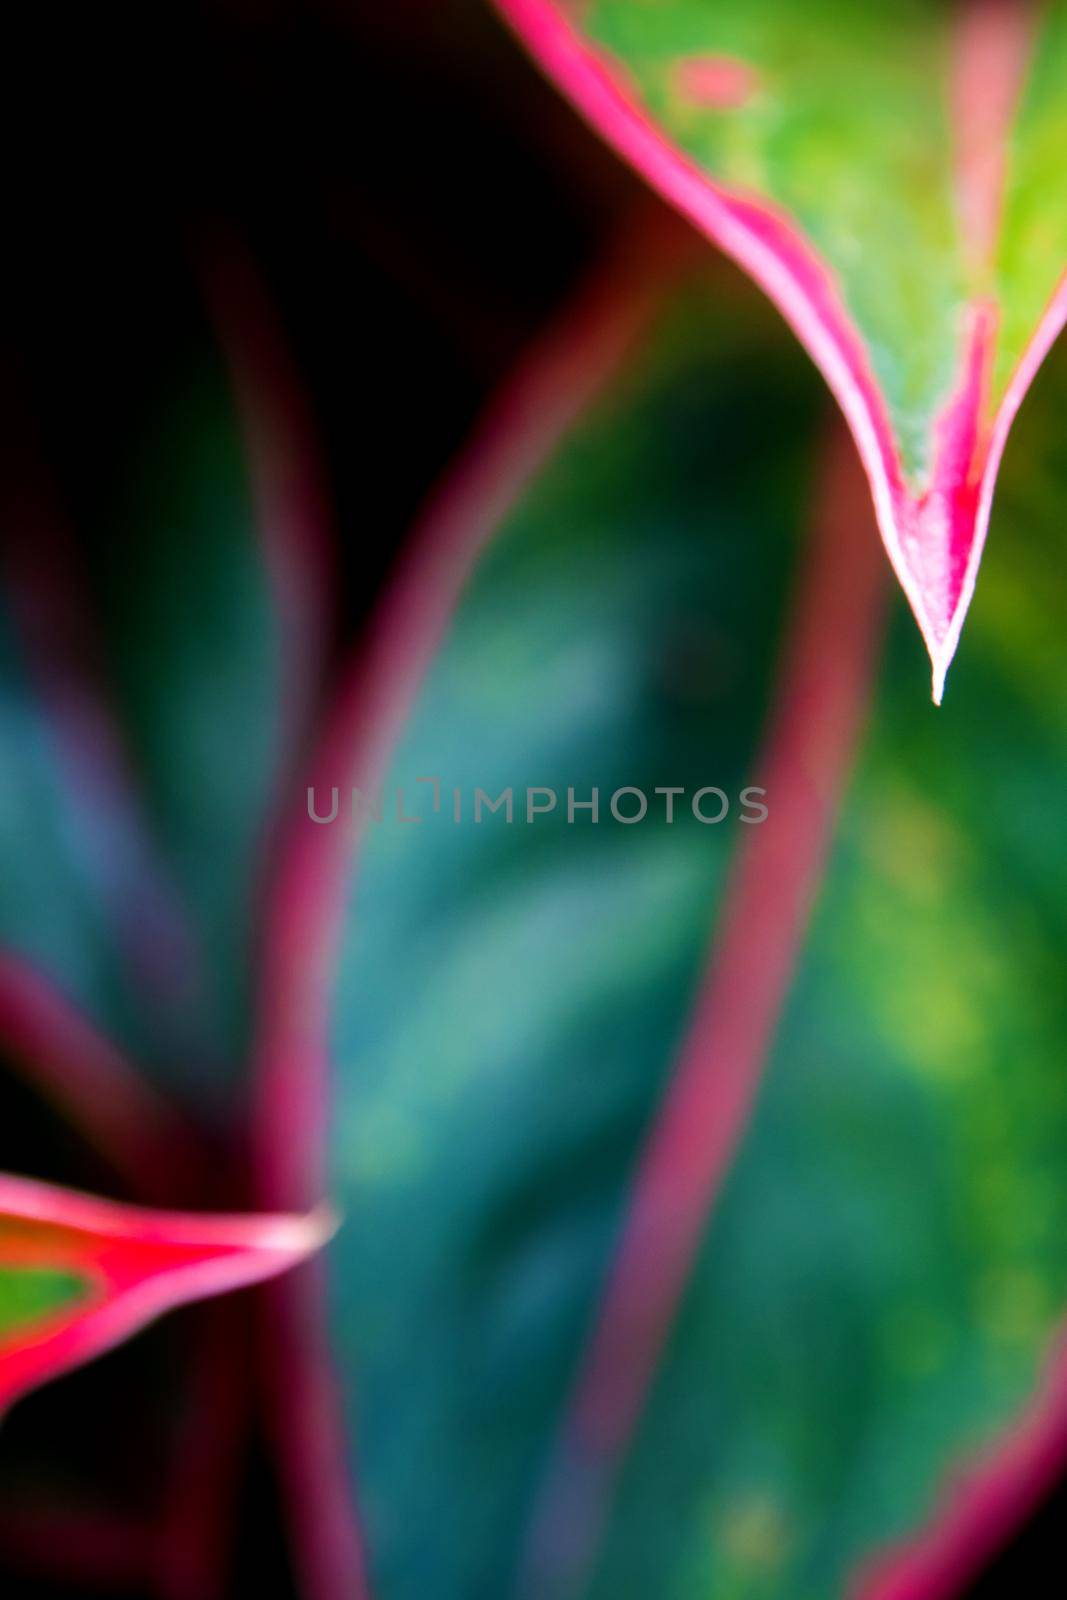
[937, 689]
[79, 1274]
[928, 334]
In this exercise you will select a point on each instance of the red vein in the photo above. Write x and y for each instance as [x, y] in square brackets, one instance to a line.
[46, 595]
[194, 1542]
[294, 514]
[934, 535]
[143, 1139]
[526, 421]
[993, 45]
[815, 721]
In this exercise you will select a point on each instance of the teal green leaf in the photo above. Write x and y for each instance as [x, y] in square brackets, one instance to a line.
[145, 730]
[878, 1287]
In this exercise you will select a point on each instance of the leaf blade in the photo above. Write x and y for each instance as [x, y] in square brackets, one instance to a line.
[100, 1271]
[898, 305]
[506, 1011]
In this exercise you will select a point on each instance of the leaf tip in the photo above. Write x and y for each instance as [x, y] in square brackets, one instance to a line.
[940, 661]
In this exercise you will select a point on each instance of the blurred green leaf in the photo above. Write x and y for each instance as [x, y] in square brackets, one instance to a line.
[881, 1279]
[145, 709]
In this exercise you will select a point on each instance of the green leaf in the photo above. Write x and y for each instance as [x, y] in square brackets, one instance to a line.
[887, 172]
[29, 1294]
[152, 687]
[880, 1275]
[511, 996]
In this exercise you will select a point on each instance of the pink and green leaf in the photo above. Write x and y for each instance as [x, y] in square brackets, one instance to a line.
[159, 662]
[79, 1275]
[866, 1311]
[888, 173]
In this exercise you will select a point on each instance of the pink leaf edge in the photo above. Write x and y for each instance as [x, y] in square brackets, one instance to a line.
[182, 1549]
[137, 1264]
[568, 365]
[983, 1502]
[819, 711]
[934, 537]
[294, 514]
[573, 362]
[87, 1079]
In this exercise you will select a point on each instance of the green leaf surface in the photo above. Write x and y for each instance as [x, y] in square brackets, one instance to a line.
[29, 1294]
[878, 1287]
[867, 176]
[144, 712]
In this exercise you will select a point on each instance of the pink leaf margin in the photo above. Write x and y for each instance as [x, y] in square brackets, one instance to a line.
[60, 1054]
[288, 481]
[295, 538]
[552, 387]
[568, 367]
[984, 1502]
[145, 1141]
[818, 714]
[181, 1552]
[138, 1264]
[46, 593]
[934, 539]
[571, 363]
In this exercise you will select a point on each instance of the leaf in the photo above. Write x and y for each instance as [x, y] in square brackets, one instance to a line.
[886, 173]
[78, 1275]
[157, 662]
[162, 626]
[101, 1095]
[858, 1341]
